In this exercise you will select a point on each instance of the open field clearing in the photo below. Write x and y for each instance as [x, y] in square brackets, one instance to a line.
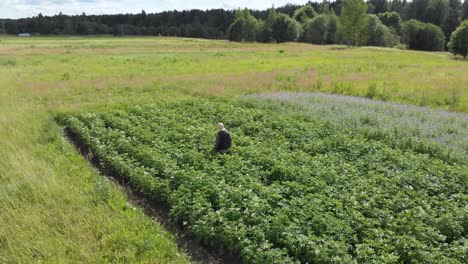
[48, 69]
[311, 177]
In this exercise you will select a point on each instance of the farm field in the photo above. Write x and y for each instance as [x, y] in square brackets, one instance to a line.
[312, 176]
[291, 190]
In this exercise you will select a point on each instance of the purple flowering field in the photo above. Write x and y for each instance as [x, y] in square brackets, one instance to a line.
[437, 133]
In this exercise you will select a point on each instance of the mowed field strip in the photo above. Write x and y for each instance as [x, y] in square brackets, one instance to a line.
[382, 181]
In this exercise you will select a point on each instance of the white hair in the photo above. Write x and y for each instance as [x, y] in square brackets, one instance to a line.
[221, 126]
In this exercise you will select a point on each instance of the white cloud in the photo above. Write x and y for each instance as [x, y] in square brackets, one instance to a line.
[27, 8]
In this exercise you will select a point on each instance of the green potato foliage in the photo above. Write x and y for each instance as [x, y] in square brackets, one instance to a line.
[292, 190]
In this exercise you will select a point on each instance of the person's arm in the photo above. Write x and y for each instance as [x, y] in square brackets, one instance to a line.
[229, 139]
[218, 141]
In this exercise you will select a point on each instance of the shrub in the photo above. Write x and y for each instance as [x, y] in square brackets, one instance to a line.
[459, 40]
[422, 36]
[244, 28]
[378, 34]
[285, 29]
[321, 30]
[400, 46]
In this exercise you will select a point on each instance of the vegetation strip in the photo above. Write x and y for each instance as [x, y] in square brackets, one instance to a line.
[292, 190]
[157, 210]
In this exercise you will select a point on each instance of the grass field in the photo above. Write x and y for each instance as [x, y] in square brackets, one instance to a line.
[56, 208]
[42, 67]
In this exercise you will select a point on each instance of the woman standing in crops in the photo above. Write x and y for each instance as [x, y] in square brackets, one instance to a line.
[223, 140]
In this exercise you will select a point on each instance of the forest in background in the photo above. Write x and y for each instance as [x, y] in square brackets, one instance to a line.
[419, 24]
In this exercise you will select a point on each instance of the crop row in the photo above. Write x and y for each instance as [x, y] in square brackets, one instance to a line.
[291, 190]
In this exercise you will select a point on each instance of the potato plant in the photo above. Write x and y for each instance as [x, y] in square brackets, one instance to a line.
[292, 190]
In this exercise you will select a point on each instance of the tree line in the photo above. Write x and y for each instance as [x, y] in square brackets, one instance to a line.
[419, 24]
[433, 26]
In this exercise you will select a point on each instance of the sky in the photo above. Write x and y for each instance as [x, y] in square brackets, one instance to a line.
[28, 8]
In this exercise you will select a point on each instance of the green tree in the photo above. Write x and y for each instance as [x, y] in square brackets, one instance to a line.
[333, 25]
[266, 28]
[392, 20]
[304, 14]
[285, 29]
[397, 6]
[378, 34]
[325, 8]
[422, 36]
[459, 40]
[452, 22]
[353, 22]
[436, 12]
[244, 28]
[464, 11]
[378, 6]
[321, 29]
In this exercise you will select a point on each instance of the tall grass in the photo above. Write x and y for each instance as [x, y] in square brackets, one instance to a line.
[419, 78]
[55, 208]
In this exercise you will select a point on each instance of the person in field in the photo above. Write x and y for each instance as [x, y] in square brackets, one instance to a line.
[223, 140]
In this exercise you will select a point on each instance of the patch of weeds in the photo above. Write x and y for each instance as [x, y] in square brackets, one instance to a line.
[10, 62]
[386, 92]
[102, 188]
[170, 60]
[287, 82]
[281, 51]
[423, 101]
[342, 88]
[384, 95]
[318, 84]
[371, 91]
[66, 76]
[285, 78]
[453, 99]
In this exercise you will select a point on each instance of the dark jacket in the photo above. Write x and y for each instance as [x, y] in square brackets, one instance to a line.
[223, 140]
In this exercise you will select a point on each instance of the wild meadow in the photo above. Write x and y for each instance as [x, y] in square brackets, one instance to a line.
[194, 66]
[375, 179]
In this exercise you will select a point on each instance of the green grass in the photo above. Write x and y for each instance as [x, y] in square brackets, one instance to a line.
[43, 67]
[55, 208]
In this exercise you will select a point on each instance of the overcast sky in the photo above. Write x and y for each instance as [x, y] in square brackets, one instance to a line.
[28, 8]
